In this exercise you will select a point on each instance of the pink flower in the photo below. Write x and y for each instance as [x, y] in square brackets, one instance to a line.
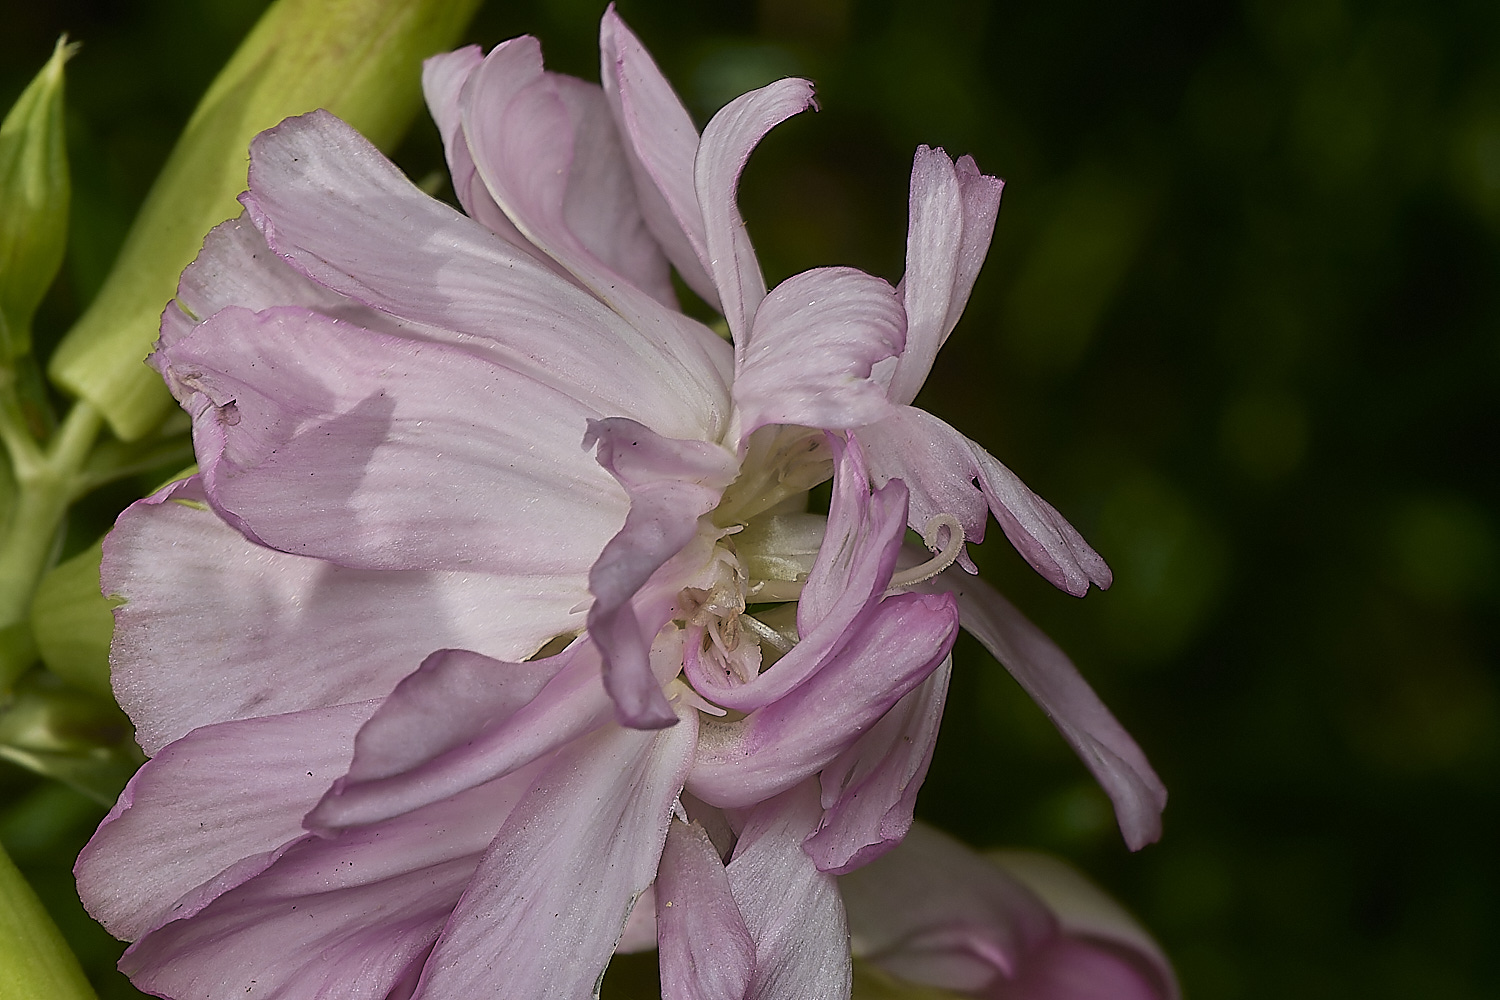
[424, 682]
[1015, 925]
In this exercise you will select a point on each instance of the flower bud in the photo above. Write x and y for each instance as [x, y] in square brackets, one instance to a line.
[33, 201]
[360, 59]
[35, 961]
[71, 622]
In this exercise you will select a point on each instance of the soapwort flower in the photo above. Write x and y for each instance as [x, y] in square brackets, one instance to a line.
[424, 682]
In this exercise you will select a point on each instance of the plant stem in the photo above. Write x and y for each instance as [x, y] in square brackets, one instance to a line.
[47, 481]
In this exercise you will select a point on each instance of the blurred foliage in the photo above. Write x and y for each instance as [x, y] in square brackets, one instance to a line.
[1241, 323]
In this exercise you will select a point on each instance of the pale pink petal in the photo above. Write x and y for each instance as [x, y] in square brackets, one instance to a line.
[743, 762]
[661, 144]
[640, 927]
[671, 484]
[217, 802]
[215, 627]
[1104, 938]
[949, 474]
[953, 210]
[727, 142]
[870, 789]
[1073, 969]
[1055, 684]
[547, 150]
[792, 910]
[346, 916]
[934, 912]
[377, 452]
[552, 895]
[706, 950]
[497, 735]
[342, 214]
[443, 79]
[808, 359]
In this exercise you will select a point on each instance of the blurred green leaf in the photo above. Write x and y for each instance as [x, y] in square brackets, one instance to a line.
[72, 623]
[35, 962]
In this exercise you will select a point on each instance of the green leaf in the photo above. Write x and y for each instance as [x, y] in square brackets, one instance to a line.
[35, 961]
[72, 623]
[360, 59]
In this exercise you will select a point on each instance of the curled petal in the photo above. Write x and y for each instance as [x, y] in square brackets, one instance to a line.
[728, 139]
[670, 484]
[949, 474]
[870, 789]
[775, 747]
[1055, 684]
[808, 359]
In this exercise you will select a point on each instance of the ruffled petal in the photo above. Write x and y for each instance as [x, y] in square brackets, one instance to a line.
[551, 897]
[210, 808]
[342, 214]
[443, 79]
[949, 474]
[953, 210]
[671, 484]
[792, 910]
[728, 139]
[1055, 684]
[497, 732]
[775, 747]
[706, 950]
[546, 148]
[376, 452]
[661, 144]
[870, 789]
[934, 912]
[215, 627]
[349, 916]
[808, 359]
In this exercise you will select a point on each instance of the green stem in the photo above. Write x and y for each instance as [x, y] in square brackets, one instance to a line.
[47, 481]
[35, 961]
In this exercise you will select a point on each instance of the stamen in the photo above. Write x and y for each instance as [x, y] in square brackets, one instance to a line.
[766, 633]
[947, 557]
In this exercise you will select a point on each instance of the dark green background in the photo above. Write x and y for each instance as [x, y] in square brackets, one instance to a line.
[1240, 324]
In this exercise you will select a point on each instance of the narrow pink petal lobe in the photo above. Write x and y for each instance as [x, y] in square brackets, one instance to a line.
[1055, 684]
[706, 950]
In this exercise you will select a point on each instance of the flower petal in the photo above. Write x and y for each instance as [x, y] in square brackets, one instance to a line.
[211, 807]
[550, 898]
[869, 791]
[1108, 944]
[338, 211]
[728, 139]
[215, 627]
[670, 484]
[949, 474]
[706, 950]
[808, 359]
[1055, 684]
[378, 452]
[347, 916]
[497, 733]
[953, 210]
[443, 79]
[547, 150]
[934, 912]
[661, 144]
[792, 910]
[775, 747]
